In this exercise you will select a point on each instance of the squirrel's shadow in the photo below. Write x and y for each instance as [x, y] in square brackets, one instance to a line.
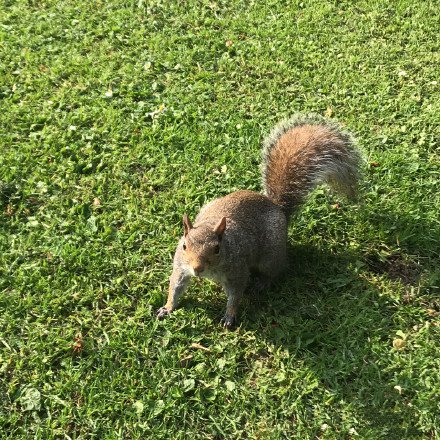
[325, 312]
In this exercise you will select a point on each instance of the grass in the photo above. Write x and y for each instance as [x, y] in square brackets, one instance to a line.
[117, 117]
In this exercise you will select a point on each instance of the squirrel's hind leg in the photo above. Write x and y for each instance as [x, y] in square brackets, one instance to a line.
[274, 262]
[258, 282]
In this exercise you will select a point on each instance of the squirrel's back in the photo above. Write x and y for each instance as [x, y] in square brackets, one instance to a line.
[242, 206]
[304, 151]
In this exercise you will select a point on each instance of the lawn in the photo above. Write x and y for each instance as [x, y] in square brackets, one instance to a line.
[116, 118]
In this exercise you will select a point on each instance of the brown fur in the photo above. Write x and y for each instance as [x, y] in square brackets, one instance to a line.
[240, 240]
[307, 154]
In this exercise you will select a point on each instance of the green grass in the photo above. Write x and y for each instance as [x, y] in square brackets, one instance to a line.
[116, 117]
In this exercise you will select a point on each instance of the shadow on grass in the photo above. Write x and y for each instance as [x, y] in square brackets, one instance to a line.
[331, 320]
[328, 315]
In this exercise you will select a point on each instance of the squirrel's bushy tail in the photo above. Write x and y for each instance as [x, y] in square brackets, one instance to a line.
[303, 152]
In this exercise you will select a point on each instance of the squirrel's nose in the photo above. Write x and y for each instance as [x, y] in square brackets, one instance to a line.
[198, 269]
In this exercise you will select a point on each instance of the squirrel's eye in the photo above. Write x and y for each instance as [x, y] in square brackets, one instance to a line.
[217, 249]
[184, 246]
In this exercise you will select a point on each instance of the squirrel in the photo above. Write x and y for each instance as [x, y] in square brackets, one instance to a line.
[240, 240]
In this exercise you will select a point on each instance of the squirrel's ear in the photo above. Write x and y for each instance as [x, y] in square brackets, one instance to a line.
[187, 225]
[220, 228]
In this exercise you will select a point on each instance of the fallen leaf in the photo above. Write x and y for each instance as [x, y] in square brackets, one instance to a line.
[78, 344]
[199, 347]
[229, 43]
[398, 388]
[399, 344]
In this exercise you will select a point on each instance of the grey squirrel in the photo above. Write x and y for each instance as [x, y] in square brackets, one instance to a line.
[240, 240]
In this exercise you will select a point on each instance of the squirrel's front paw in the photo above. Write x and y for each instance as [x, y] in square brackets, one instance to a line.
[162, 312]
[228, 321]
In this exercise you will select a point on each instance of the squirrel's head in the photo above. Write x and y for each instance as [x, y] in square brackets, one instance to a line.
[202, 245]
